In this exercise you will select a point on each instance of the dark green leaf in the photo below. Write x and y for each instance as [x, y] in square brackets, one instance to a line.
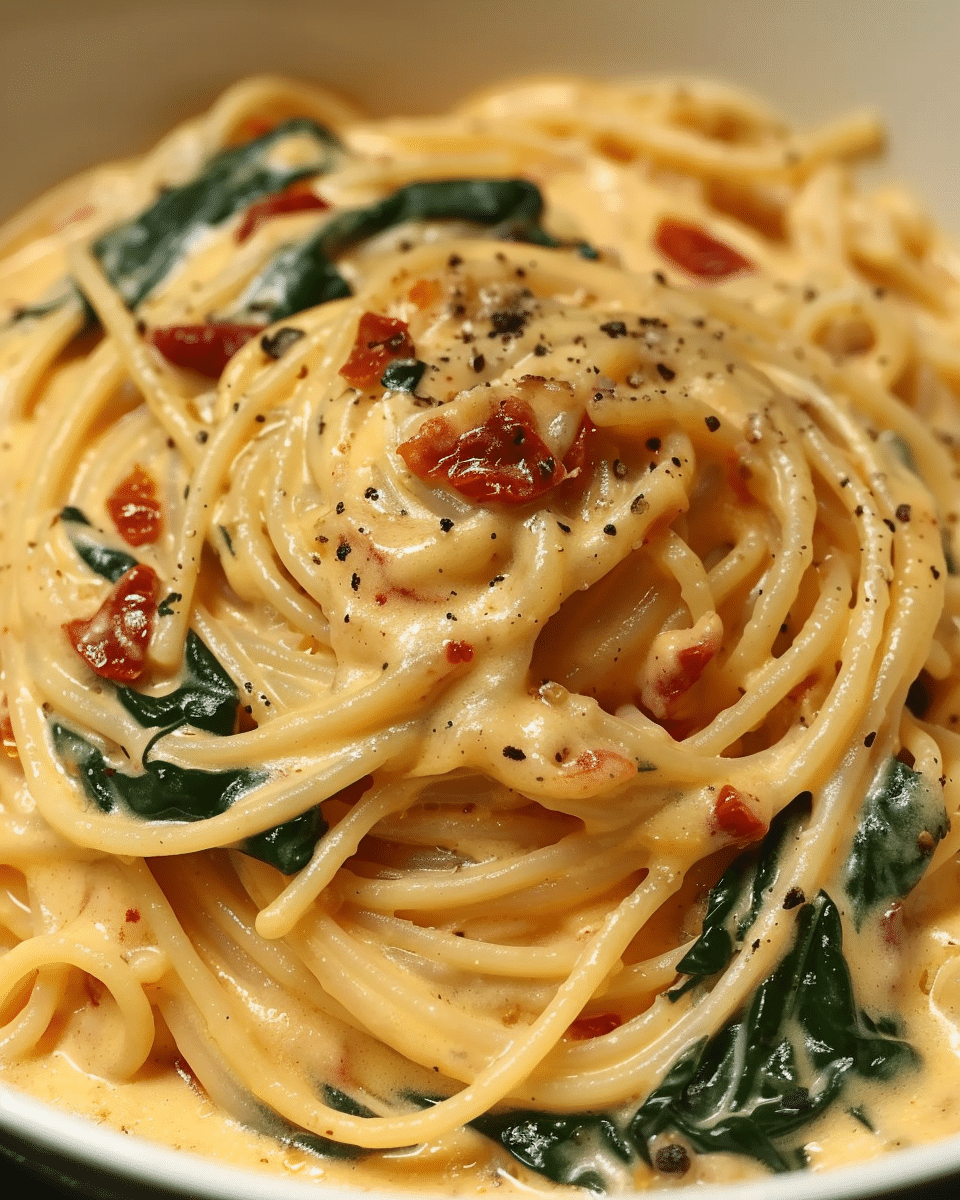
[289, 846]
[162, 792]
[780, 1063]
[403, 374]
[901, 821]
[109, 563]
[137, 255]
[165, 792]
[736, 899]
[302, 276]
[208, 698]
[560, 1146]
[73, 515]
[274, 1125]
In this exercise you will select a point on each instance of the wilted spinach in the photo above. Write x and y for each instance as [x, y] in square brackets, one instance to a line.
[780, 1063]
[304, 275]
[135, 256]
[167, 792]
[735, 900]
[207, 699]
[901, 821]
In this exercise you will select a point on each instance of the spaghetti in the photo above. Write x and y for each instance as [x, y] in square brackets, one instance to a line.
[480, 635]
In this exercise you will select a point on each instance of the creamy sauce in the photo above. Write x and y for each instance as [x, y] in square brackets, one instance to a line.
[409, 639]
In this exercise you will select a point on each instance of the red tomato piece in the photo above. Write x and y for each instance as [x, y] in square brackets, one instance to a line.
[697, 252]
[276, 206]
[736, 817]
[691, 662]
[580, 454]
[205, 349]
[459, 652]
[134, 508]
[595, 1026]
[113, 642]
[379, 341]
[504, 459]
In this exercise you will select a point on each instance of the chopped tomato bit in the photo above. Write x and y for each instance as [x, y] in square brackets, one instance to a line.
[698, 253]
[380, 340]
[459, 652]
[736, 817]
[113, 642]
[609, 762]
[291, 201]
[581, 453]
[690, 663]
[205, 349]
[595, 1026]
[503, 459]
[425, 292]
[134, 508]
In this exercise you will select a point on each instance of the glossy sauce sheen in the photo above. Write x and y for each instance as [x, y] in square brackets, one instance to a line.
[485, 654]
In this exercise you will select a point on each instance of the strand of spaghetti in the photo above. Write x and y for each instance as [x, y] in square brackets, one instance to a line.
[69, 946]
[64, 427]
[769, 684]
[282, 914]
[589, 860]
[20, 1035]
[153, 381]
[466, 954]
[23, 365]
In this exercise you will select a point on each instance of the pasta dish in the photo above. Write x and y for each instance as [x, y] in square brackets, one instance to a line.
[480, 641]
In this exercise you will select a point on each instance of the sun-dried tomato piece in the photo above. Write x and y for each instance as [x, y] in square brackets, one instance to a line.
[581, 453]
[504, 459]
[113, 642]
[134, 508]
[595, 1026]
[736, 817]
[205, 349]
[698, 253]
[459, 652]
[290, 201]
[380, 340]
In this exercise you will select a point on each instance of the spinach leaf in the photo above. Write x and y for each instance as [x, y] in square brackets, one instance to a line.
[569, 1148]
[901, 821]
[276, 1126]
[290, 845]
[109, 563]
[137, 255]
[163, 792]
[780, 1063]
[564, 1148]
[208, 699]
[736, 899]
[303, 275]
[747, 1090]
[166, 792]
